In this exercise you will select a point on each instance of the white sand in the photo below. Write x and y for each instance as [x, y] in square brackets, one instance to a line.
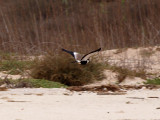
[52, 104]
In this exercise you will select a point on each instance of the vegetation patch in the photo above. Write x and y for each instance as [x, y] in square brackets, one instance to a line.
[15, 66]
[155, 81]
[6, 56]
[36, 83]
[61, 69]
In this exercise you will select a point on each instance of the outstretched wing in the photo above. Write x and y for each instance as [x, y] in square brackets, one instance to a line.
[74, 54]
[85, 57]
[70, 52]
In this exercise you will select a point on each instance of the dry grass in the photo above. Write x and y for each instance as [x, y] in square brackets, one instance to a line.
[28, 26]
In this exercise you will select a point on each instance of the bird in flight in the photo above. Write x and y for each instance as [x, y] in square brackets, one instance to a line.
[81, 59]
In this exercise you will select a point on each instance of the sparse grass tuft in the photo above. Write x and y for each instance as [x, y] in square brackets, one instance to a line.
[146, 53]
[15, 66]
[60, 69]
[158, 49]
[124, 72]
[118, 51]
[155, 81]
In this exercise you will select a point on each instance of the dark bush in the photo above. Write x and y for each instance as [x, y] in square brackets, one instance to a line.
[60, 69]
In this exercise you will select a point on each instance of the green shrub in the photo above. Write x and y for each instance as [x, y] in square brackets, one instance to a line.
[60, 69]
[155, 81]
[36, 83]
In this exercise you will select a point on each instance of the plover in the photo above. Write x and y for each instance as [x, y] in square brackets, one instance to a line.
[81, 59]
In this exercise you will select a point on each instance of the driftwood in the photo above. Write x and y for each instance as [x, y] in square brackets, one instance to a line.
[111, 88]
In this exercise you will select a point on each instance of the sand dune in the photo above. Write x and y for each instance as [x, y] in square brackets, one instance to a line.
[62, 104]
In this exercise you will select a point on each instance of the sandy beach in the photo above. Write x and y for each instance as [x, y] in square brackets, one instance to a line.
[62, 104]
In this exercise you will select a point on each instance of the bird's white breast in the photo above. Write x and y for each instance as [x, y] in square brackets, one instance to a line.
[76, 55]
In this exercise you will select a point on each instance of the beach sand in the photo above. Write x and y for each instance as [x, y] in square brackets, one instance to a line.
[62, 104]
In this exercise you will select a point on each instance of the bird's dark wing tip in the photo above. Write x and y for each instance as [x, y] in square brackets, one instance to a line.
[70, 52]
[98, 49]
